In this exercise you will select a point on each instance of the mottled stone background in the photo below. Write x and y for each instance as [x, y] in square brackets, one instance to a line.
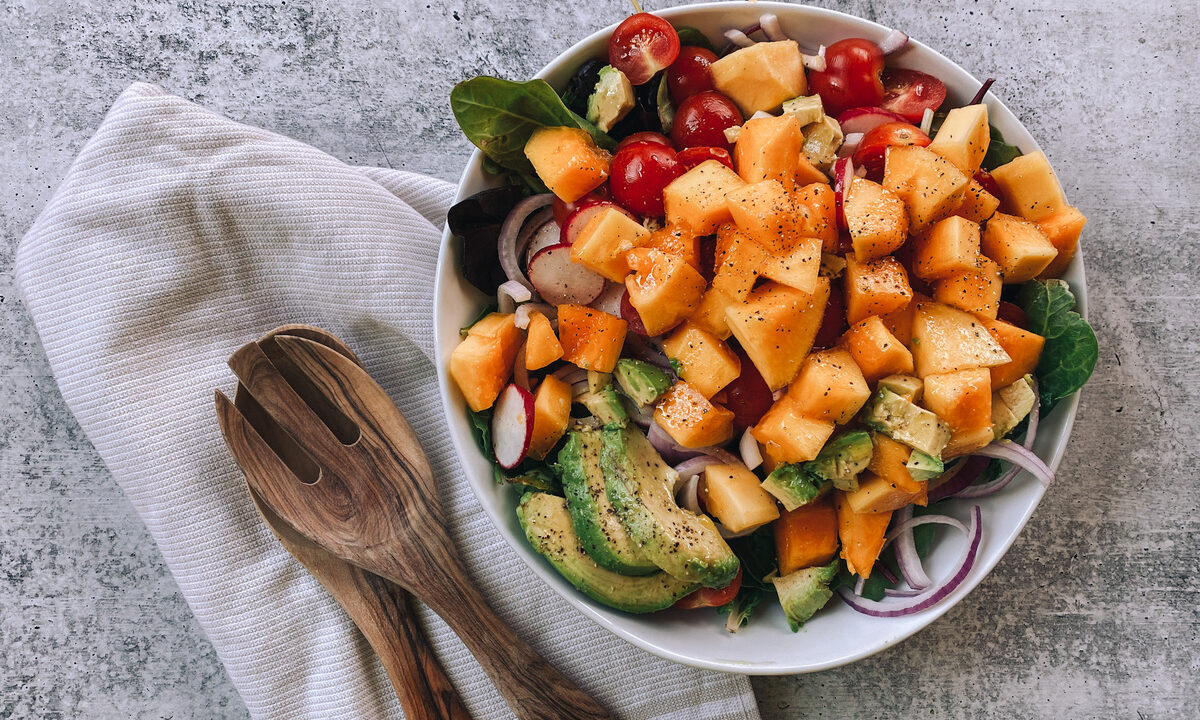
[1092, 615]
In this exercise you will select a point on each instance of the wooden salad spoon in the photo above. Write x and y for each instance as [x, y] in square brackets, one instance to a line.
[380, 609]
[362, 488]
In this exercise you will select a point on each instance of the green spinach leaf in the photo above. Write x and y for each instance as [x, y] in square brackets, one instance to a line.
[695, 38]
[481, 429]
[999, 152]
[666, 109]
[1070, 353]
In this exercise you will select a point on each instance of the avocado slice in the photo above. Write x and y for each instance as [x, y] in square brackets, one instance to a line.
[595, 521]
[808, 109]
[906, 386]
[612, 99]
[1010, 405]
[803, 592]
[547, 526]
[843, 458]
[605, 405]
[793, 485]
[640, 486]
[904, 422]
[924, 467]
[641, 381]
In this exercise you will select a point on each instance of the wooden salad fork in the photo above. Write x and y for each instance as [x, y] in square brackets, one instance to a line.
[361, 487]
[380, 609]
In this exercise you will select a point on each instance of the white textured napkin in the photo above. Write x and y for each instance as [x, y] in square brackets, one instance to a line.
[177, 236]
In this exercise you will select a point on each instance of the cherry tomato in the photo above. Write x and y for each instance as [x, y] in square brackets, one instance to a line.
[711, 597]
[642, 45]
[689, 74]
[873, 147]
[693, 156]
[1013, 315]
[631, 317]
[910, 93]
[833, 323]
[708, 257]
[563, 210]
[984, 178]
[748, 395]
[851, 76]
[638, 174]
[701, 121]
[646, 136]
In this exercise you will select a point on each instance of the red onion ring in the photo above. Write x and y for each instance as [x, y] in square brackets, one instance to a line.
[894, 42]
[1019, 455]
[507, 243]
[570, 374]
[524, 310]
[749, 450]
[509, 294]
[962, 474]
[643, 348]
[696, 465]
[688, 495]
[741, 38]
[769, 22]
[906, 553]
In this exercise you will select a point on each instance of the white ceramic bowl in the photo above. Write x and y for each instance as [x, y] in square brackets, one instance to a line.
[837, 635]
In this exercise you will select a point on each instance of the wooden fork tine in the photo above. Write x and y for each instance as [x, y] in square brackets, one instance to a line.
[253, 454]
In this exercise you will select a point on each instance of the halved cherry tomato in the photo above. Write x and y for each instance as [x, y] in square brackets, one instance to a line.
[873, 147]
[833, 322]
[563, 210]
[708, 257]
[711, 597]
[851, 76]
[1013, 315]
[748, 396]
[645, 136]
[693, 156]
[631, 317]
[702, 119]
[911, 92]
[638, 174]
[642, 45]
[689, 74]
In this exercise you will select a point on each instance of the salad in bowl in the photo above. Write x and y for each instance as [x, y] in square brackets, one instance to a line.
[755, 311]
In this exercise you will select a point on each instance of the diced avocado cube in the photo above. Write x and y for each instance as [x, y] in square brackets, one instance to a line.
[605, 405]
[923, 466]
[803, 592]
[906, 386]
[598, 380]
[794, 486]
[611, 100]
[842, 459]
[807, 109]
[641, 381]
[1010, 405]
[821, 141]
[904, 422]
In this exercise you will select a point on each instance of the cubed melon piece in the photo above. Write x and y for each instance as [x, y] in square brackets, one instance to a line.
[1023, 346]
[551, 412]
[876, 219]
[875, 350]
[734, 496]
[696, 199]
[765, 212]
[704, 362]
[769, 148]
[806, 536]
[906, 386]
[978, 204]
[816, 208]
[483, 362]
[737, 261]
[709, 315]
[946, 340]
[964, 137]
[1030, 187]
[900, 322]
[1062, 229]
[951, 246]
[675, 240]
[691, 419]
[602, 243]
[889, 460]
[930, 186]
[776, 327]
[967, 441]
[963, 399]
[762, 76]
[798, 267]
[877, 494]
[541, 344]
[591, 339]
[787, 436]
[976, 290]
[862, 535]
[567, 160]
[830, 387]
[875, 288]
[1018, 246]
[663, 288]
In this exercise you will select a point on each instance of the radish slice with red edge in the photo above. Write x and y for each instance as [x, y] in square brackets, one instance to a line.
[512, 426]
[546, 235]
[610, 300]
[533, 224]
[894, 42]
[579, 219]
[507, 242]
[865, 119]
[560, 281]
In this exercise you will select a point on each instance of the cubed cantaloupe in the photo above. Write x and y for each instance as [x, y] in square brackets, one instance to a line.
[787, 436]
[967, 441]
[830, 386]
[931, 187]
[704, 362]
[1030, 187]
[1062, 229]
[691, 419]
[946, 339]
[737, 260]
[876, 218]
[976, 291]
[963, 399]
[862, 535]
[1018, 246]
[734, 495]
[806, 536]
[567, 160]
[875, 288]
[1023, 347]
[951, 246]
[769, 148]
[541, 344]
[900, 322]
[776, 327]
[663, 288]
[964, 137]
[591, 339]
[762, 76]
[877, 494]
[709, 315]
[675, 240]
[816, 208]
[551, 412]
[908, 387]
[765, 211]
[876, 351]
[797, 267]
[889, 459]
[696, 199]
[977, 204]
[601, 245]
[483, 362]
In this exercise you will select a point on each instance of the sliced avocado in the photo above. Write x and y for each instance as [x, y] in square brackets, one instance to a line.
[904, 422]
[924, 467]
[598, 380]
[641, 381]
[595, 521]
[611, 100]
[803, 592]
[641, 487]
[842, 459]
[906, 386]
[605, 405]
[1010, 405]
[547, 526]
[807, 109]
[822, 140]
[792, 485]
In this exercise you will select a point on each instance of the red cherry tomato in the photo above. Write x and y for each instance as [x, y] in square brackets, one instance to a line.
[711, 597]
[702, 119]
[631, 317]
[689, 74]
[642, 45]
[873, 147]
[646, 136]
[910, 93]
[693, 156]
[1013, 315]
[708, 257]
[833, 323]
[563, 210]
[851, 76]
[638, 174]
[748, 395]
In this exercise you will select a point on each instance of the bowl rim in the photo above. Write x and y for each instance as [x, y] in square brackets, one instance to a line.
[587, 607]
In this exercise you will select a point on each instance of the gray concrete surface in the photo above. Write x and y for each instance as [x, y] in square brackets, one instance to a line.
[1093, 614]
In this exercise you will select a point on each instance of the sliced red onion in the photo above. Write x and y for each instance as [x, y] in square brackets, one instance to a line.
[901, 593]
[927, 121]
[509, 294]
[520, 374]
[643, 349]
[696, 465]
[542, 236]
[1019, 455]
[525, 310]
[1032, 426]
[959, 476]
[507, 243]
[570, 374]
[816, 63]
[849, 144]
[859, 585]
[906, 553]
[688, 495]
[750, 451]
[894, 42]
[673, 452]
[642, 415]
[900, 606]
[891, 577]
[770, 27]
[912, 522]
[534, 224]
[741, 38]
[983, 90]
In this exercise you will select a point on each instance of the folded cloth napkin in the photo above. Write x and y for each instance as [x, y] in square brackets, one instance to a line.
[177, 236]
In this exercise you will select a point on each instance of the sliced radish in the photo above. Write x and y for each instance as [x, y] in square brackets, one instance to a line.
[843, 173]
[542, 238]
[512, 426]
[577, 220]
[560, 281]
[610, 300]
[866, 119]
